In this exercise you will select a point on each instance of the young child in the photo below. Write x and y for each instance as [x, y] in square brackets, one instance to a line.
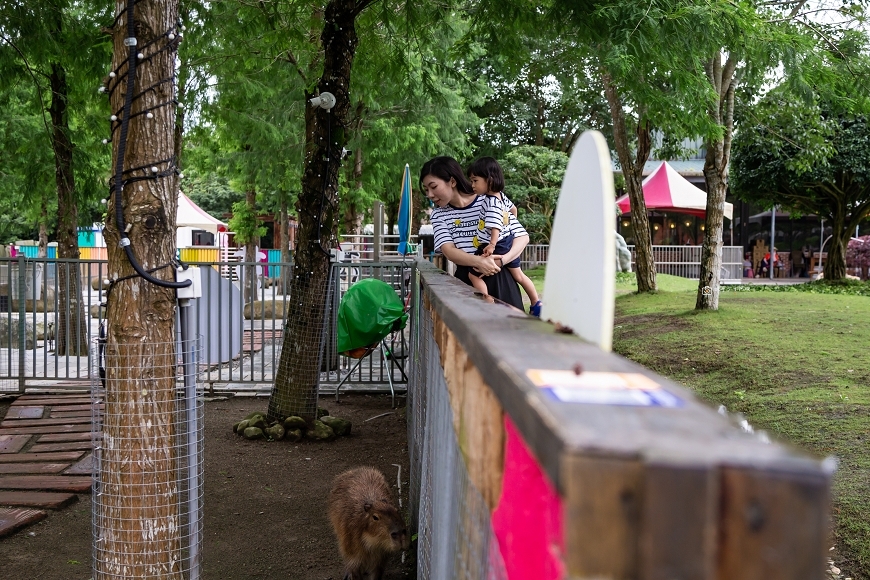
[498, 225]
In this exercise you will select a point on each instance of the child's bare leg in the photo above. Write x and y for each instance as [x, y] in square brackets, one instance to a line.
[478, 284]
[526, 283]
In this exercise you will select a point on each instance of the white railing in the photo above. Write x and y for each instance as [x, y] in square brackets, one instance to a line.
[535, 255]
[362, 247]
[685, 261]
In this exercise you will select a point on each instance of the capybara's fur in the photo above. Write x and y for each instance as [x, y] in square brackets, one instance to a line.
[368, 525]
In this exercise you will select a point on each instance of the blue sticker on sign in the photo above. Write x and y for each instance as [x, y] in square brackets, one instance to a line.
[603, 388]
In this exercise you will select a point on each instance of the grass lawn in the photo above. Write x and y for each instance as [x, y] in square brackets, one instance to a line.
[794, 363]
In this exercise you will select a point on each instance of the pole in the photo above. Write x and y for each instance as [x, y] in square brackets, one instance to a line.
[772, 238]
[378, 222]
[189, 362]
[22, 322]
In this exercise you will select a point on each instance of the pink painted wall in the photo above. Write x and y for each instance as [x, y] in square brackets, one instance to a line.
[528, 518]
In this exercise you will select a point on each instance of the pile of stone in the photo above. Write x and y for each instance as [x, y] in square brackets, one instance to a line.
[324, 428]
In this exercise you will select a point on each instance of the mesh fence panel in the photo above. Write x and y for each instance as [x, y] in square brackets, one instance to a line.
[148, 475]
[297, 381]
[448, 512]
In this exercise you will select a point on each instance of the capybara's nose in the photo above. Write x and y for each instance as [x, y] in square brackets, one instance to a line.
[395, 535]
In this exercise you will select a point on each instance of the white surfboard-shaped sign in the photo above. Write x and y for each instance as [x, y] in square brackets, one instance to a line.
[581, 266]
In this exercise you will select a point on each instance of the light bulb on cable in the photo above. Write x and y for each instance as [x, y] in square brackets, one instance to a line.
[150, 115]
[113, 118]
[112, 74]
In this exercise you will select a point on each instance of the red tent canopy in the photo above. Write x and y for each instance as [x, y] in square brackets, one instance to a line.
[666, 190]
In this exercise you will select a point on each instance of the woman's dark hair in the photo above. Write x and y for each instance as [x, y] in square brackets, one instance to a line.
[444, 168]
[488, 168]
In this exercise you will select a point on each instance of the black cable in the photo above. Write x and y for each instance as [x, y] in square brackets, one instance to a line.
[119, 166]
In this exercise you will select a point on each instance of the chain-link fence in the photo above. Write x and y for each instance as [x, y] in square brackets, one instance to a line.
[240, 317]
[449, 514]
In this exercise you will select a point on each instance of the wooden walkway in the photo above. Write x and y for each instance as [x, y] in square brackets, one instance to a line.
[45, 457]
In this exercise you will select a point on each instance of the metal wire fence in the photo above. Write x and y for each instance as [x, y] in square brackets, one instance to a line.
[148, 462]
[449, 514]
[240, 317]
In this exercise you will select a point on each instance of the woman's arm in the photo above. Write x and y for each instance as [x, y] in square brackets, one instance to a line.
[517, 248]
[485, 265]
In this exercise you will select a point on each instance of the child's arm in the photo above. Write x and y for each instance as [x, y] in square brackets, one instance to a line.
[493, 240]
[513, 210]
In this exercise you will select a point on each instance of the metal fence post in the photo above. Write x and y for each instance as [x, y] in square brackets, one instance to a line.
[22, 323]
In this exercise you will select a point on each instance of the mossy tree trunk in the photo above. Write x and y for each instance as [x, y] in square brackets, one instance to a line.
[722, 78]
[295, 389]
[632, 171]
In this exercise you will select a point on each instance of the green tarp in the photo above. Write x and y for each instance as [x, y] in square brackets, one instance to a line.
[367, 314]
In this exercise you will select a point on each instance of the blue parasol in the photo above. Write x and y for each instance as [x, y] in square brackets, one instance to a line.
[405, 214]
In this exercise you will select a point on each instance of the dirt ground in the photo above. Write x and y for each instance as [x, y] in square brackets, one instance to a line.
[265, 503]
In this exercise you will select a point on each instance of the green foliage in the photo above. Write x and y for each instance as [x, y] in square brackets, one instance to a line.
[211, 192]
[804, 159]
[35, 37]
[245, 224]
[533, 179]
[846, 287]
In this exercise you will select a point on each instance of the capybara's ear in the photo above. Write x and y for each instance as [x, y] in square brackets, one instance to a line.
[367, 506]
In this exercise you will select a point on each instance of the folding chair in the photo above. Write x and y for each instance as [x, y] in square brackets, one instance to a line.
[370, 311]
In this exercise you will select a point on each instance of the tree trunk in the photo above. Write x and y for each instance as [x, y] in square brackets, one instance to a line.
[716, 175]
[632, 170]
[139, 521]
[42, 249]
[250, 290]
[835, 263]
[71, 332]
[295, 390]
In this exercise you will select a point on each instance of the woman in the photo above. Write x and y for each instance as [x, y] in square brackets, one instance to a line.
[455, 220]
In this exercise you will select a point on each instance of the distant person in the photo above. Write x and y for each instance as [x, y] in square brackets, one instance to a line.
[797, 263]
[805, 251]
[498, 226]
[765, 262]
[747, 266]
[455, 220]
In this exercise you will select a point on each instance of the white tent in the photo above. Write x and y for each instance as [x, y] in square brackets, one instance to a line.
[191, 217]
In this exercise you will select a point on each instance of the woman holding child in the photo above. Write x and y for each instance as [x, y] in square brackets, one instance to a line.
[458, 220]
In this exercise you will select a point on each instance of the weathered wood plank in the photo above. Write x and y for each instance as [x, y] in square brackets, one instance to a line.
[23, 412]
[83, 467]
[53, 400]
[78, 484]
[773, 525]
[13, 519]
[52, 447]
[37, 499]
[46, 429]
[33, 468]
[66, 414]
[13, 443]
[603, 498]
[679, 522]
[70, 408]
[40, 422]
[64, 437]
[56, 456]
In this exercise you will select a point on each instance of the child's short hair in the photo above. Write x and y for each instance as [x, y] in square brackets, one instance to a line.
[488, 168]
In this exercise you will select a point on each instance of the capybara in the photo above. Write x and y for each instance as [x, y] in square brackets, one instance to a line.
[368, 525]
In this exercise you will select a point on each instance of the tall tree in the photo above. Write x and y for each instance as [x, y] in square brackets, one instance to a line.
[138, 520]
[325, 130]
[808, 161]
[57, 45]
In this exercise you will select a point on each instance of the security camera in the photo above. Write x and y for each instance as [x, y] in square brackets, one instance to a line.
[324, 101]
